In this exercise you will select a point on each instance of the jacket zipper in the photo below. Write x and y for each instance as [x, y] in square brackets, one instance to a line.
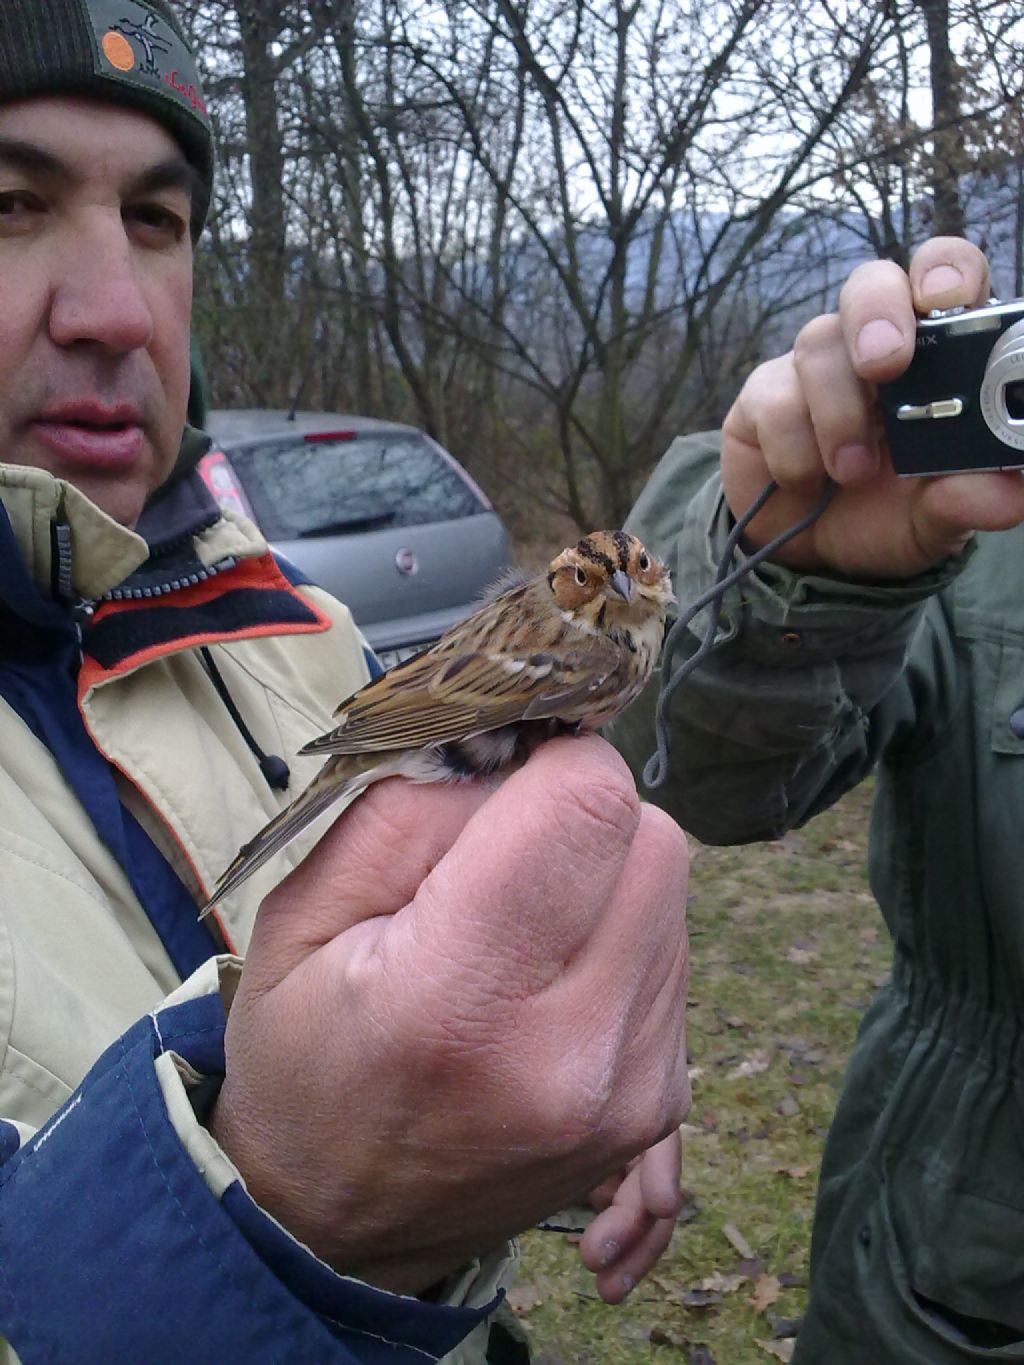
[84, 608]
[172, 584]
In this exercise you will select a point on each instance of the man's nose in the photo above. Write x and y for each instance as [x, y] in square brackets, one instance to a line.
[99, 293]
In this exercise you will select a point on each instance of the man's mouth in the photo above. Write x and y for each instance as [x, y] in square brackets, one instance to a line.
[93, 434]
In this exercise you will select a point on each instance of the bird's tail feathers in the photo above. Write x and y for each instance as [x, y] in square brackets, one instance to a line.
[277, 833]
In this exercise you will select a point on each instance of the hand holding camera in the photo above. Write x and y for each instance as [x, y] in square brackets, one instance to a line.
[827, 408]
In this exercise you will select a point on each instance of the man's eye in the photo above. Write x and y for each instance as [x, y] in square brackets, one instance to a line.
[155, 222]
[17, 208]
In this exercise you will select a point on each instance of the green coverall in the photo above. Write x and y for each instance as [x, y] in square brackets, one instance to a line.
[918, 1245]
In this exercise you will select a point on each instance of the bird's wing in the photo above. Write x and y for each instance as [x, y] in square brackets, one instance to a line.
[442, 696]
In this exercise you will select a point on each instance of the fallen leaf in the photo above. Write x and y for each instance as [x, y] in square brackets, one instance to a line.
[781, 1350]
[801, 956]
[789, 1280]
[523, 1297]
[751, 1267]
[794, 1172]
[788, 1107]
[759, 1060]
[735, 1238]
[725, 1284]
[784, 1327]
[699, 1298]
[765, 1292]
[695, 1073]
[661, 1336]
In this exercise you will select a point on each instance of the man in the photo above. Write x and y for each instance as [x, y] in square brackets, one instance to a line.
[889, 636]
[432, 1043]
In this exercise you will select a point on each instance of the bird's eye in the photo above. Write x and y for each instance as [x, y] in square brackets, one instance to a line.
[581, 577]
[644, 562]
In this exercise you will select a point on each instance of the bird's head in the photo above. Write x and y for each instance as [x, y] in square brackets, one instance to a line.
[609, 578]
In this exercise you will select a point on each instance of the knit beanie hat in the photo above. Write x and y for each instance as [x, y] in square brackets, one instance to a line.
[130, 51]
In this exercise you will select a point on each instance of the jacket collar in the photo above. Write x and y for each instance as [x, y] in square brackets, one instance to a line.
[189, 575]
[102, 552]
[61, 549]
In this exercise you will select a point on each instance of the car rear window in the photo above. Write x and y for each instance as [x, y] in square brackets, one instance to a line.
[302, 488]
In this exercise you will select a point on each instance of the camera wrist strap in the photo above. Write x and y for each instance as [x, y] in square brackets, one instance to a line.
[657, 766]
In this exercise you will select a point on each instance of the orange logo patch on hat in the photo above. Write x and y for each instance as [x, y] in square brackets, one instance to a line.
[117, 50]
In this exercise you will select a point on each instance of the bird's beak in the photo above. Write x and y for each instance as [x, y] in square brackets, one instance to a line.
[623, 584]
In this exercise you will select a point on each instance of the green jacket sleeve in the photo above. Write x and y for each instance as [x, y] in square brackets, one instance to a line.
[808, 681]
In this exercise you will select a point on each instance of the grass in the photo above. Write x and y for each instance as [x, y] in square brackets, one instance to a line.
[787, 950]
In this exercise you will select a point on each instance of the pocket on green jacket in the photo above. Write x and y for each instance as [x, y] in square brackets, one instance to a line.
[953, 1262]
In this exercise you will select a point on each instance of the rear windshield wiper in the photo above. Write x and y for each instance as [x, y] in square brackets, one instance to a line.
[346, 524]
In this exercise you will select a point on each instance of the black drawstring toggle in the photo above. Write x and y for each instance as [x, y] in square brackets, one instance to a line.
[272, 766]
[276, 771]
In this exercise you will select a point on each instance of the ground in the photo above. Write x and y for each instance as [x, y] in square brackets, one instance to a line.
[788, 948]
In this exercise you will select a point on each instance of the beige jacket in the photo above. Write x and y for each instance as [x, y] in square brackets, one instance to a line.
[79, 960]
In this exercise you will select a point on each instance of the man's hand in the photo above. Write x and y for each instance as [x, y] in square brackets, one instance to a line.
[638, 1208]
[465, 1006]
[813, 412]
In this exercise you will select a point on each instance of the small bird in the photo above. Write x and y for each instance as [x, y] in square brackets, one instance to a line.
[561, 652]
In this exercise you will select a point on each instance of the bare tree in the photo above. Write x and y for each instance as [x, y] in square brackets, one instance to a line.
[554, 232]
[949, 161]
[641, 215]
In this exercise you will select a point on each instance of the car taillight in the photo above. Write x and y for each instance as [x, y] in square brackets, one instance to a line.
[329, 435]
[224, 484]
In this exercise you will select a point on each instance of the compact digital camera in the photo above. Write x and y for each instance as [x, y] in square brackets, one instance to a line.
[959, 405]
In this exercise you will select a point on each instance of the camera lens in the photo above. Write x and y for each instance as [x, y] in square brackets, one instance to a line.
[1001, 392]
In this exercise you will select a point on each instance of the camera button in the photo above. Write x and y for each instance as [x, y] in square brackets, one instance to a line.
[918, 412]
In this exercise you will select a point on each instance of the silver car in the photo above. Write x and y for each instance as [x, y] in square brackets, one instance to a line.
[375, 512]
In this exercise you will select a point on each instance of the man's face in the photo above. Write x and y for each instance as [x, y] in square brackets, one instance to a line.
[95, 296]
